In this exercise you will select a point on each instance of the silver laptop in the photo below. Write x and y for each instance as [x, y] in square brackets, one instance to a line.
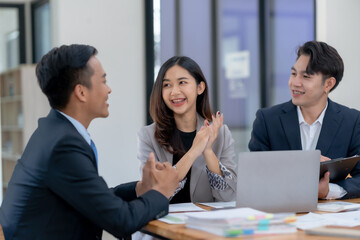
[278, 181]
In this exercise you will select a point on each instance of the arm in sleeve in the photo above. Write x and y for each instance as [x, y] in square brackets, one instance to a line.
[352, 185]
[228, 168]
[144, 147]
[335, 192]
[126, 191]
[217, 181]
[259, 136]
[73, 177]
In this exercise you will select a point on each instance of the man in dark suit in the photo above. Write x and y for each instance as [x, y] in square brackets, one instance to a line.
[55, 191]
[311, 120]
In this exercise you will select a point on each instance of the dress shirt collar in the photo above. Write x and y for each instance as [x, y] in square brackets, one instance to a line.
[319, 120]
[79, 127]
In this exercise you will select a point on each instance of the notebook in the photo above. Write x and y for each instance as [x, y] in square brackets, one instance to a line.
[278, 181]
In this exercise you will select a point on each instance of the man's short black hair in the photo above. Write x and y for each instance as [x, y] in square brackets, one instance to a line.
[323, 59]
[61, 69]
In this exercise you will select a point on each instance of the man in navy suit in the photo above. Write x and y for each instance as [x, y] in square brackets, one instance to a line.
[311, 120]
[55, 191]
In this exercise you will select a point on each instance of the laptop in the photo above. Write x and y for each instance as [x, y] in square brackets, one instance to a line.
[278, 181]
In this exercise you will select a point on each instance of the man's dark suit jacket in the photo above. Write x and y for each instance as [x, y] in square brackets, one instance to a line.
[56, 193]
[277, 128]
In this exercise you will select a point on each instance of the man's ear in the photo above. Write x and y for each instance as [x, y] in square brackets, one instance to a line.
[80, 92]
[329, 84]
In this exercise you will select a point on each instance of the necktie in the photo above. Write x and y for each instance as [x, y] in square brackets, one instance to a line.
[92, 144]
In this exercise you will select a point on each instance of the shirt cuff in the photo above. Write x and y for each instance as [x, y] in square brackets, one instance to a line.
[335, 191]
[217, 181]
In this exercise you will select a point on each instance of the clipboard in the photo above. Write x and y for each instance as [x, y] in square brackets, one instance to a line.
[339, 168]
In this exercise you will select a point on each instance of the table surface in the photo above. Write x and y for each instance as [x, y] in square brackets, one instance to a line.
[179, 231]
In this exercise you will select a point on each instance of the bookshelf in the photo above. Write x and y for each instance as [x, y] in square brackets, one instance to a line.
[22, 103]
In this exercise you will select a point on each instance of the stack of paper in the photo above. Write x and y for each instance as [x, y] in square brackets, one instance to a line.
[240, 221]
[343, 219]
[184, 207]
[231, 204]
[337, 206]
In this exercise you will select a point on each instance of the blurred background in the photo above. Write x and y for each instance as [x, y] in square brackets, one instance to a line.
[244, 47]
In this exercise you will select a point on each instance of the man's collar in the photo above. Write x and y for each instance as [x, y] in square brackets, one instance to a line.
[320, 118]
[79, 127]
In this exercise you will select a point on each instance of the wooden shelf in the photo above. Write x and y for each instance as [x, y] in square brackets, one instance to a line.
[13, 128]
[10, 99]
[10, 156]
[22, 103]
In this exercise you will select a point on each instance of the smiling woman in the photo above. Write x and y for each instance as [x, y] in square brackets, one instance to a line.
[180, 91]
[187, 134]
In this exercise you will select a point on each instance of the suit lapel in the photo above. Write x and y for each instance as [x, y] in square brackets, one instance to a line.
[330, 126]
[290, 123]
[56, 114]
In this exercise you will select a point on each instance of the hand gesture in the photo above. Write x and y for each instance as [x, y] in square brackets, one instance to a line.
[200, 141]
[146, 183]
[164, 178]
[213, 129]
[161, 177]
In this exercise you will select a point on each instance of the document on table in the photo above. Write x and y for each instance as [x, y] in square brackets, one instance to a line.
[174, 218]
[177, 212]
[220, 204]
[337, 206]
[225, 215]
[241, 221]
[344, 219]
[184, 207]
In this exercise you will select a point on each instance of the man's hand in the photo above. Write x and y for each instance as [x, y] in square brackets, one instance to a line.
[145, 184]
[324, 185]
[324, 159]
[161, 177]
[165, 179]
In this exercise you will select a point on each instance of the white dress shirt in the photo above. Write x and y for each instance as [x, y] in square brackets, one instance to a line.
[309, 137]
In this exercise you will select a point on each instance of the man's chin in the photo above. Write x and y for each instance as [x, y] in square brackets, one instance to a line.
[104, 115]
[296, 102]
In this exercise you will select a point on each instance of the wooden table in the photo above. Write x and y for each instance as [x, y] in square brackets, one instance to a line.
[179, 231]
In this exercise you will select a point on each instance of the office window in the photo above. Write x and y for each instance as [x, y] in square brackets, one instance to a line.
[41, 29]
[12, 36]
[239, 55]
[238, 83]
[292, 24]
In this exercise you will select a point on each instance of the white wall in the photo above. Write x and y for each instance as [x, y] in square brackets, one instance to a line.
[116, 29]
[337, 24]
